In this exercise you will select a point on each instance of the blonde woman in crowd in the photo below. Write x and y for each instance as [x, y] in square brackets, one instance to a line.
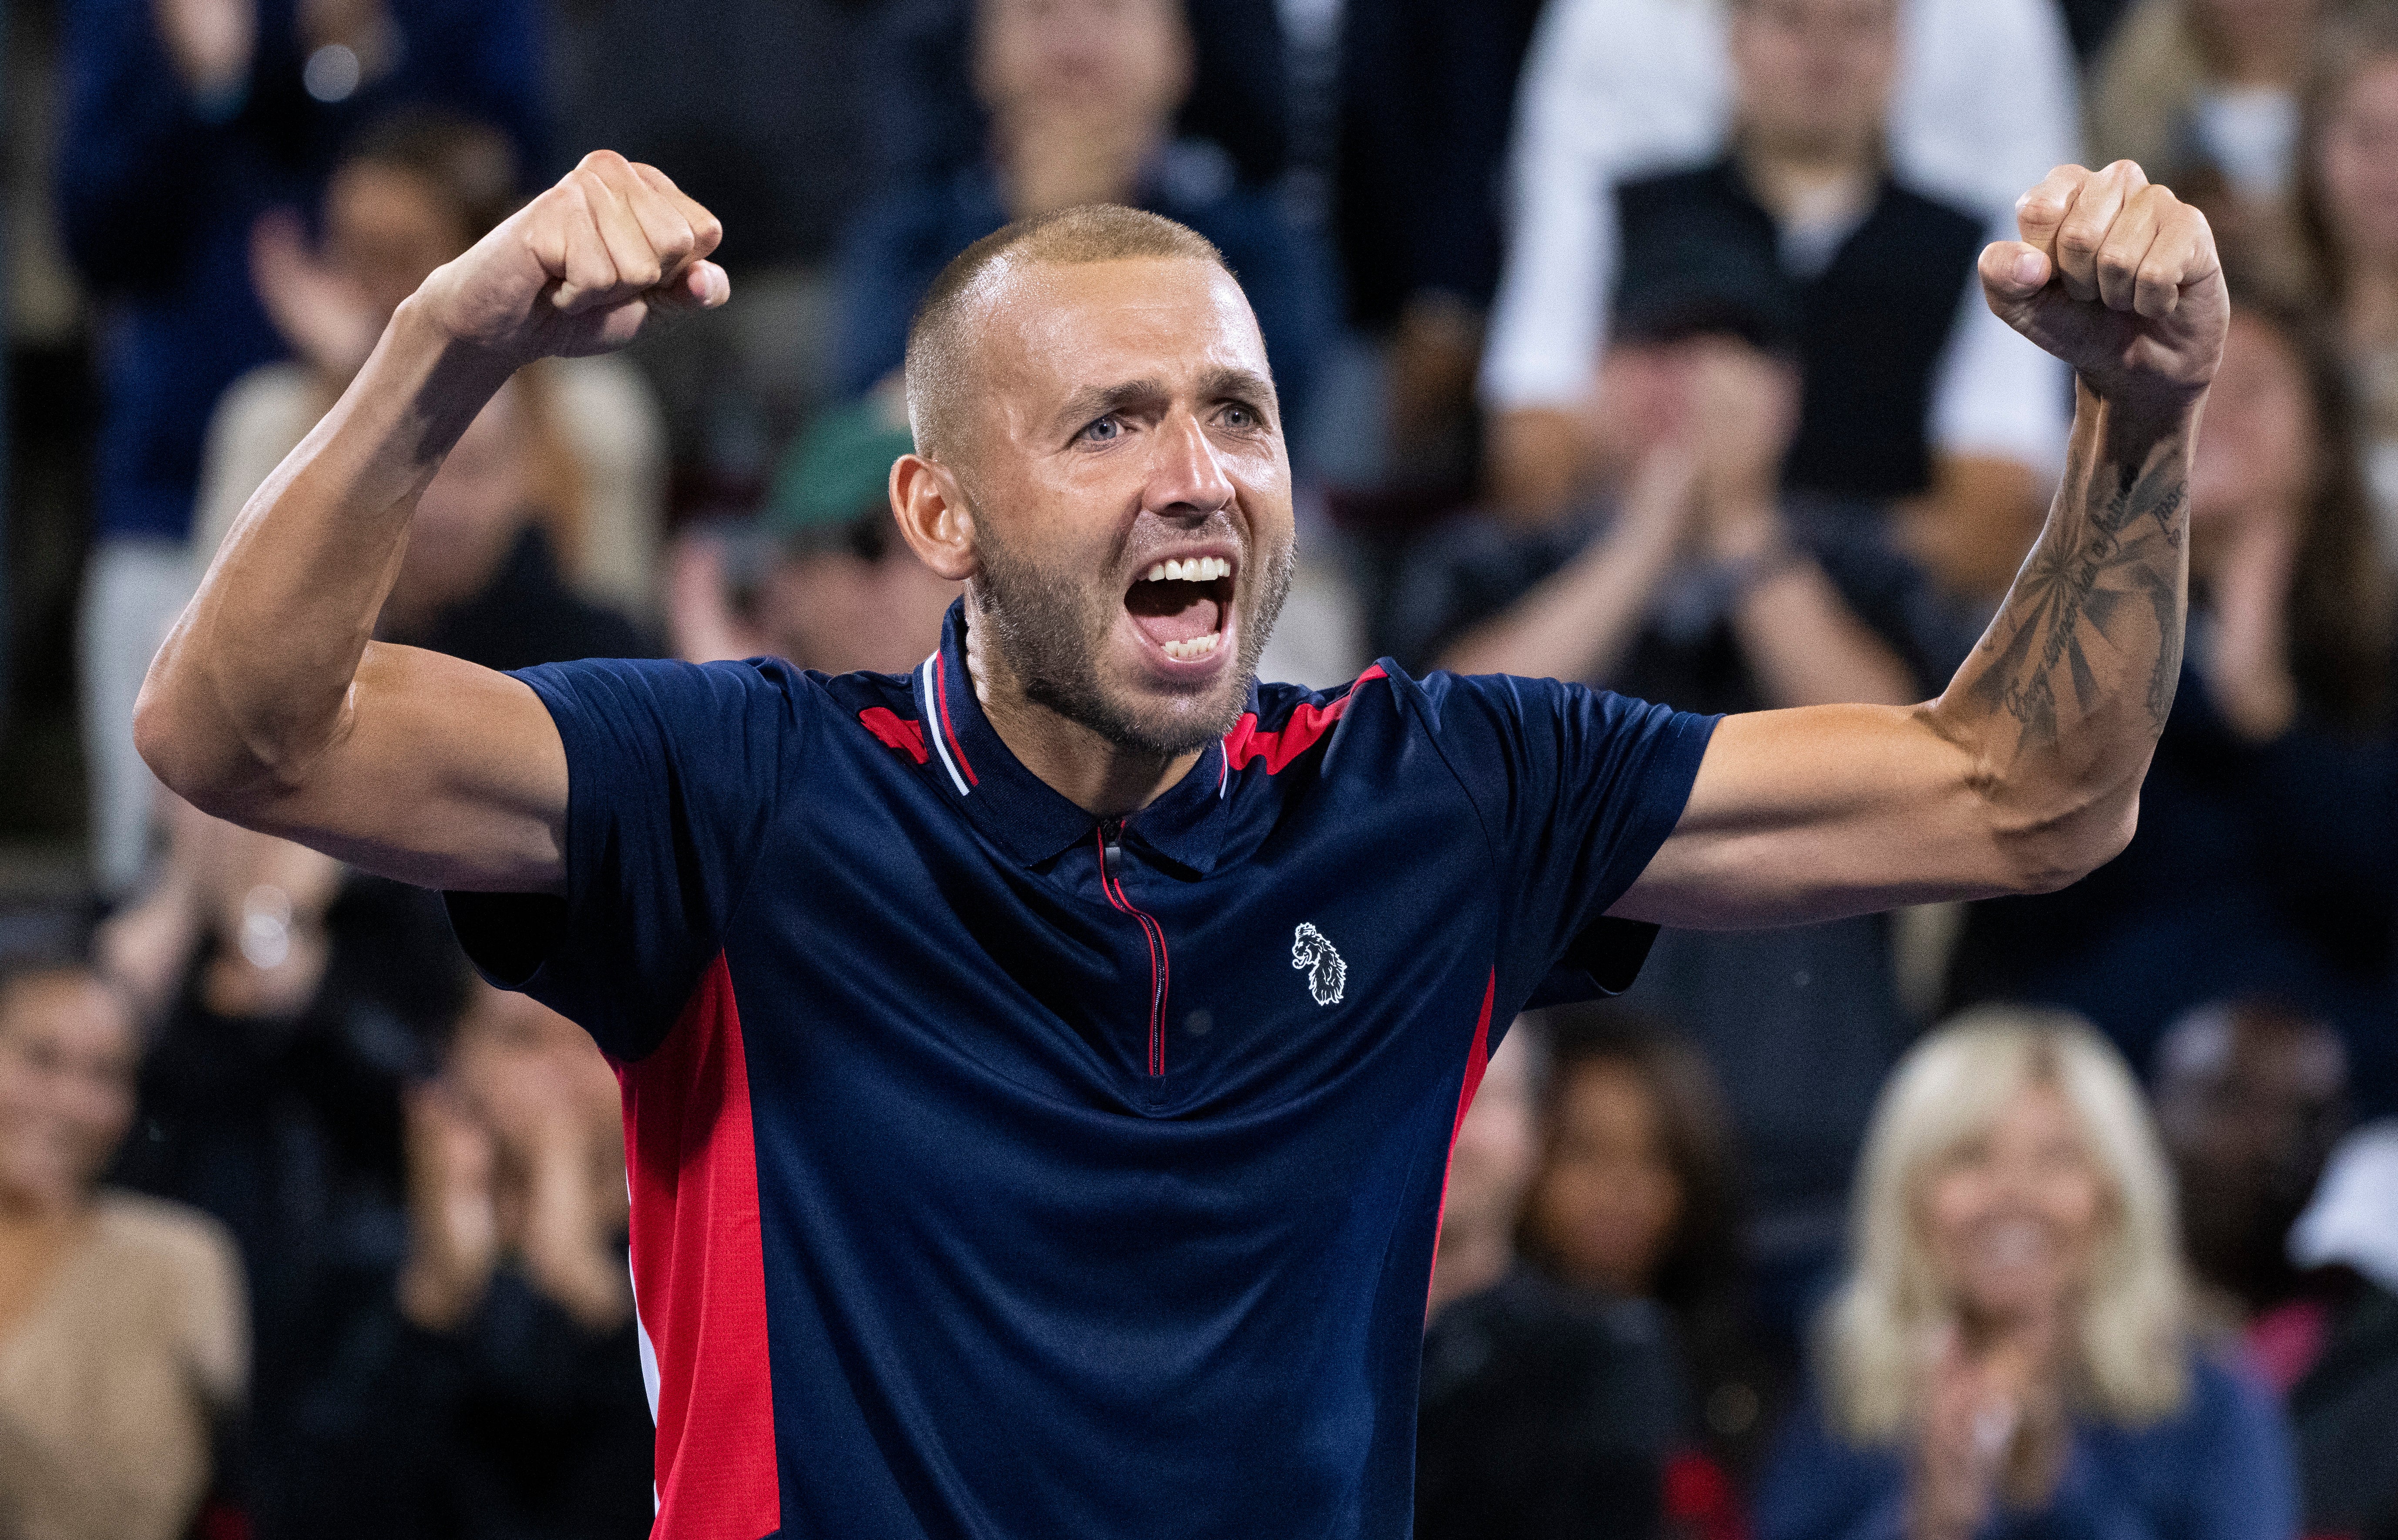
[2013, 1351]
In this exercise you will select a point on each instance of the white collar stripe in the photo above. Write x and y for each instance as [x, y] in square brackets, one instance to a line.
[933, 729]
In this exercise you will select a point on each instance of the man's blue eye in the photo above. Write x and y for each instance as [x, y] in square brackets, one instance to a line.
[1104, 429]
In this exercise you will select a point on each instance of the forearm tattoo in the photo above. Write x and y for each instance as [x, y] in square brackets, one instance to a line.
[2110, 554]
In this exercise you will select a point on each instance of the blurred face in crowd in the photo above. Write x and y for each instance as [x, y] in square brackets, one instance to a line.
[1125, 418]
[1491, 1162]
[1608, 1198]
[469, 515]
[1812, 77]
[877, 609]
[2357, 162]
[535, 1079]
[1122, 58]
[2254, 42]
[386, 229]
[2012, 1216]
[2249, 1099]
[68, 1053]
[2257, 456]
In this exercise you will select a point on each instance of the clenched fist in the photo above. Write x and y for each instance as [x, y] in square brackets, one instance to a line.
[2119, 279]
[582, 268]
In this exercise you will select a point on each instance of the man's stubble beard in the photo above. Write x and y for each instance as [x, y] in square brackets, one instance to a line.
[1051, 641]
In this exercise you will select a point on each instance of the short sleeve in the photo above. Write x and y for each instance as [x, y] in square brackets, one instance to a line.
[673, 774]
[1577, 789]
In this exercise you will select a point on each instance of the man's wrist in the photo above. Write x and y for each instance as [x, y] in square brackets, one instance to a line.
[2137, 418]
[439, 363]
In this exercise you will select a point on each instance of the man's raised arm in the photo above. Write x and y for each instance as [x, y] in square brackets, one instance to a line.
[2026, 773]
[270, 705]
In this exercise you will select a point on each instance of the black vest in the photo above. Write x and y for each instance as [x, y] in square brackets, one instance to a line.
[1700, 253]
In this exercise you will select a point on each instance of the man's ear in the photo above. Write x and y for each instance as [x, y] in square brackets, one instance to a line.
[935, 518]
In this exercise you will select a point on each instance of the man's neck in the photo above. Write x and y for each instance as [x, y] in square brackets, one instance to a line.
[1103, 778]
[1800, 183]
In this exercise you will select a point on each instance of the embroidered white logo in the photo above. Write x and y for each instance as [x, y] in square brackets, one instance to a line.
[1327, 974]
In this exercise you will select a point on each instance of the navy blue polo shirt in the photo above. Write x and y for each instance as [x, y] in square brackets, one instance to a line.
[997, 1172]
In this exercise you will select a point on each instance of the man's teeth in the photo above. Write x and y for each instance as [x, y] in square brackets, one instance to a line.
[1197, 646]
[1196, 569]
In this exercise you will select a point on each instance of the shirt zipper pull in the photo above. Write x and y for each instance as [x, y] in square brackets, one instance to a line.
[1112, 844]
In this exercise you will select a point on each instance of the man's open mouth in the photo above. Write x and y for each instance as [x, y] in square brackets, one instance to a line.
[1182, 605]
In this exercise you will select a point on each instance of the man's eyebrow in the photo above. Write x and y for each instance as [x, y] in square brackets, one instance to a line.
[1093, 402]
[1246, 383]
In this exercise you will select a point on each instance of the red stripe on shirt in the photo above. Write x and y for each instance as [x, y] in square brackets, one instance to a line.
[1478, 1060]
[699, 1274]
[1278, 748]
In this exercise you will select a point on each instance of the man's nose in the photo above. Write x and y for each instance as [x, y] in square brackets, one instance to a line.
[1187, 479]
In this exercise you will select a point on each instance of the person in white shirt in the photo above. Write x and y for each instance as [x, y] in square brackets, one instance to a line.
[1980, 99]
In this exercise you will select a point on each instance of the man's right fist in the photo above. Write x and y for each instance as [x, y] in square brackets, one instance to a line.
[583, 267]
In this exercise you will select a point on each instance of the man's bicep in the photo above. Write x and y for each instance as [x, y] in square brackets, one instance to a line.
[445, 774]
[1817, 813]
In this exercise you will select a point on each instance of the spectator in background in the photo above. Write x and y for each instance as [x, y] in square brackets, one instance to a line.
[2266, 861]
[122, 1349]
[930, 118]
[2013, 1353]
[1427, 97]
[2204, 95]
[1491, 1164]
[489, 1389]
[2349, 167]
[1709, 588]
[2251, 1097]
[411, 192]
[291, 1000]
[1637, 1197]
[297, 998]
[1969, 100]
[186, 121]
[1082, 96]
[1545, 1410]
[835, 588]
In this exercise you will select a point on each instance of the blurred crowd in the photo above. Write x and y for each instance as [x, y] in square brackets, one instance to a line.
[1631, 341]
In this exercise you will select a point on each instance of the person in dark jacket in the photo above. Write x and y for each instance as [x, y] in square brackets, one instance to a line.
[488, 1389]
[185, 122]
[1545, 1409]
[1082, 98]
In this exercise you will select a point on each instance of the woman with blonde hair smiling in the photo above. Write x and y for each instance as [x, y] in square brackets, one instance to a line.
[2013, 1351]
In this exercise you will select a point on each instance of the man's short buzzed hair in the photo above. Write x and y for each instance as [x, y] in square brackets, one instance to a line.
[1093, 232]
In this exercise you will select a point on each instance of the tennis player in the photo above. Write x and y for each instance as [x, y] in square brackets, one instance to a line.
[1039, 1070]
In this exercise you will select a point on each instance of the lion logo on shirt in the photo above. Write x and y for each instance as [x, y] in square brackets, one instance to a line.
[1327, 974]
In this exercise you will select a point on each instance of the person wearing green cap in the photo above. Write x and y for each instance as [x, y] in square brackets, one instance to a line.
[829, 585]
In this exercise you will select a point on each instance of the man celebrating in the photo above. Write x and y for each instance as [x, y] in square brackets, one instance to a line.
[1039, 1070]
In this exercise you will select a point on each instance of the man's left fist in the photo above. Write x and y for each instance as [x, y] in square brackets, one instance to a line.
[2119, 279]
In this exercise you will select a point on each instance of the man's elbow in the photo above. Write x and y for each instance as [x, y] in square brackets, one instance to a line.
[2058, 853]
[162, 735]
[192, 755]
